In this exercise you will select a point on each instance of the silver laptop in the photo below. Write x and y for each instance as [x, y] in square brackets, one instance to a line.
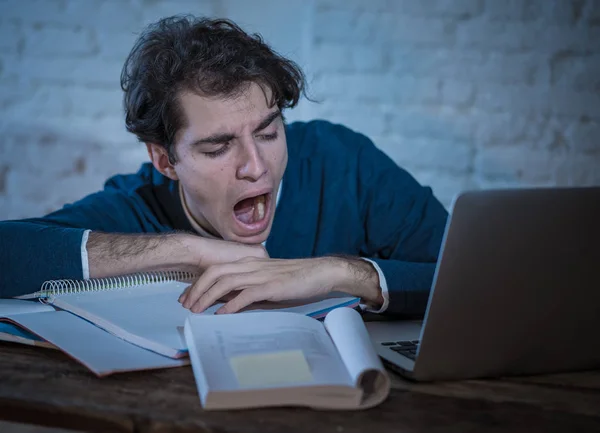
[516, 290]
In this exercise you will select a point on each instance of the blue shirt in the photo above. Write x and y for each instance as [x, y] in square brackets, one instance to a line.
[340, 195]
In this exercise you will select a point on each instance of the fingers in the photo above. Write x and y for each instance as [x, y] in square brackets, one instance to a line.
[212, 276]
[219, 289]
[208, 277]
[202, 284]
[247, 281]
[246, 298]
[184, 294]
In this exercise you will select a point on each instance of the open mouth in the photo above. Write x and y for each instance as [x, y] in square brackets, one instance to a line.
[252, 210]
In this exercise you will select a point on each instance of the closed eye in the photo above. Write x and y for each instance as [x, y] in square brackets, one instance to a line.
[220, 151]
[268, 137]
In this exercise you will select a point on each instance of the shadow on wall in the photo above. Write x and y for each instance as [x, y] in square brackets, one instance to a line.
[42, 168]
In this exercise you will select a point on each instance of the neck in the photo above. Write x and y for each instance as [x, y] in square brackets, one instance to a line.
[196, 219]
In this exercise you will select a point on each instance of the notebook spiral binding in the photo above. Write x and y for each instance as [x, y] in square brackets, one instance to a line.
[64, 287]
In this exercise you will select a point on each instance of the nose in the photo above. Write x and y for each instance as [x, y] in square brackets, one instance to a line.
[252, 166]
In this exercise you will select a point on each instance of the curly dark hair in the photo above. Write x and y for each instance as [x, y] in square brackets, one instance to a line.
[210, 57]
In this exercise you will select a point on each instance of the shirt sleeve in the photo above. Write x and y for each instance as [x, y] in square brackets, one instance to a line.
[85, 264]
[55, 247]
[404, 224]
[384, 290]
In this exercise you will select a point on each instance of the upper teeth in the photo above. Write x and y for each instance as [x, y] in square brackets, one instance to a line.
[260, 206]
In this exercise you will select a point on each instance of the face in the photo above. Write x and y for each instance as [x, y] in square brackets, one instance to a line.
[231, 157]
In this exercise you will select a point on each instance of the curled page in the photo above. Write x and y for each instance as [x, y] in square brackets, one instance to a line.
[350, 336]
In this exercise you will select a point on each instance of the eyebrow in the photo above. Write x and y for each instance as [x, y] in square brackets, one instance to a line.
[222, 138]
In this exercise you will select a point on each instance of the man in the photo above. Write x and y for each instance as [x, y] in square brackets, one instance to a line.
[262, 210]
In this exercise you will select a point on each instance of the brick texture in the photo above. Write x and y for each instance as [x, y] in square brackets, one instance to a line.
[462, 93]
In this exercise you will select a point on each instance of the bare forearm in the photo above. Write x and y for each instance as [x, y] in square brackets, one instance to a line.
[119, 254]
[357, 277]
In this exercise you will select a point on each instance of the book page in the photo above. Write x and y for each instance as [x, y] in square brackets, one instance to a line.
[264, 350]
[350, 336]
[148, 316]
[13, 333]
[99, 351]
[18, 306]
[16, 334]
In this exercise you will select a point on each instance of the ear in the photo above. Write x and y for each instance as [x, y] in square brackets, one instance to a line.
[160, 159]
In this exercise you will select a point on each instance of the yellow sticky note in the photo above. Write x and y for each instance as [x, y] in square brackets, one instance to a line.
[271, 369]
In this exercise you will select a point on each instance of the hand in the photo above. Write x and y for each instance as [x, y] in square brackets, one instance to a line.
[253, 280]
[256, 279]
[215, 251]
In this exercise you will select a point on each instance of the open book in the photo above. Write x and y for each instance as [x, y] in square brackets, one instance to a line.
[143, 309]
[285, 359]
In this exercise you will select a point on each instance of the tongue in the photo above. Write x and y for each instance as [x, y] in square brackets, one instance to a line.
[246, 210]
[244, 206]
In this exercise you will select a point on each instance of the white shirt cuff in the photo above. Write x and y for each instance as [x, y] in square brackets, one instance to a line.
[384, 290]
[85, 265]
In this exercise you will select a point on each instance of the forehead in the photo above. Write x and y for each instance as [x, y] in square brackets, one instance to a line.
[219, 114]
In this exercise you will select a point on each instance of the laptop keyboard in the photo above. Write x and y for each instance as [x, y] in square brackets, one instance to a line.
[406, 348]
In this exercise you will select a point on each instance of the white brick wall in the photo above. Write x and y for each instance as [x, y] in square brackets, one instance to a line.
[462, 93]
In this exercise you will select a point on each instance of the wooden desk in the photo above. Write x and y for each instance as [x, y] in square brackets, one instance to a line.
[45, 387]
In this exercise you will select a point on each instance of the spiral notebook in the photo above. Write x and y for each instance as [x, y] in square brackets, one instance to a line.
[143, 309]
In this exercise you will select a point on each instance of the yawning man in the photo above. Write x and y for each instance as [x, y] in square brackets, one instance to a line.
[262, 209]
